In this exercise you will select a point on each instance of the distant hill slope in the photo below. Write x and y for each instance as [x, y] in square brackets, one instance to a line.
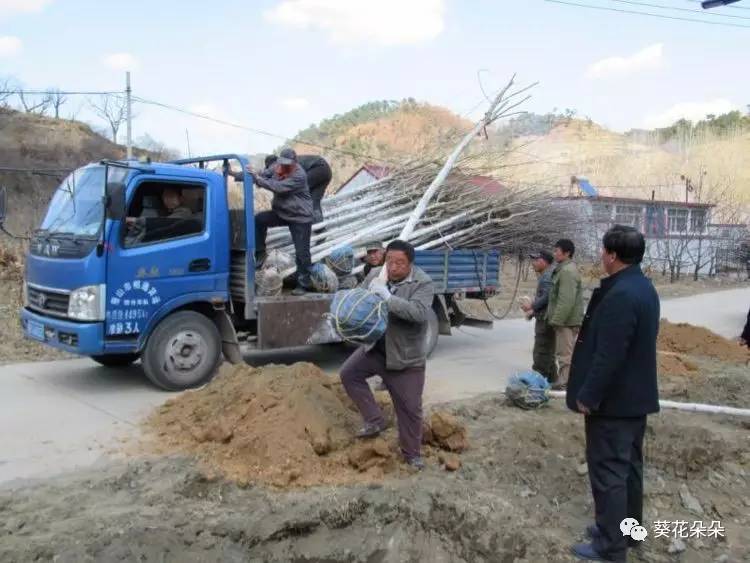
[33, 141]
[388, 131]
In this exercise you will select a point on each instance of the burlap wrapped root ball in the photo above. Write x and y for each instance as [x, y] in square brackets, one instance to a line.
[341, 260]
[348, 282]
[278, 260]
[323, 279]
[359, 315]
[268, 282]
[527, 390]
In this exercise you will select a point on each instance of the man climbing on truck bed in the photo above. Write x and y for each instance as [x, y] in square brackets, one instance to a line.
[291, 206]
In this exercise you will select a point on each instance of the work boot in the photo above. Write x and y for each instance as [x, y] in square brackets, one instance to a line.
[415, 463]
[370, 430]
[593, 533]
[586, 551]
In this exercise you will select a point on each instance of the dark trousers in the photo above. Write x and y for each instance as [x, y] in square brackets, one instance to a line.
[614, 453]
[405, 388]
[300, 237]
[544, 350]
[318, 178]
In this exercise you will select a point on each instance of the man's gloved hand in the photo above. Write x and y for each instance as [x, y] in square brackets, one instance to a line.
[380, 287]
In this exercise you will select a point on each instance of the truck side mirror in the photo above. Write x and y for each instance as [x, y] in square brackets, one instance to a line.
[116, 201]
[3, 203]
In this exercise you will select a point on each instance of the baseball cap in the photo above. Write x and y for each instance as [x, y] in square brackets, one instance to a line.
[287, 156]
[374, 245]
[544, 255]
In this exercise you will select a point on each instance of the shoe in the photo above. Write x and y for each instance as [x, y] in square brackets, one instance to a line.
[415, 463]
[299, 290]
[587, 551]
[593, 532]
[370, 430]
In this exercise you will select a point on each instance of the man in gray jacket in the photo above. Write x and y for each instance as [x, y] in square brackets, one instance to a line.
[291, 206]
[544, 334]
[399, 357]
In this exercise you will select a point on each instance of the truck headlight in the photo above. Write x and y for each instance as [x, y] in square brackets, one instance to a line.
[87, 303]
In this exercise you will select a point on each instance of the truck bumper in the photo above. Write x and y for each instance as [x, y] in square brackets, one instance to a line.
[86, 339]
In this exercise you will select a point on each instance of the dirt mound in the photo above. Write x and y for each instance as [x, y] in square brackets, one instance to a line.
[284, 426]
[683, 338]
[520, 496]
[671, 364]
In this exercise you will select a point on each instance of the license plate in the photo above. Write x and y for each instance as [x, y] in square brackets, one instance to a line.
[36, 330]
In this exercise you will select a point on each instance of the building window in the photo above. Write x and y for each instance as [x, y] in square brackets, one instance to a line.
[629, 215]
[677, 220]
[602, 213]
[698, 220]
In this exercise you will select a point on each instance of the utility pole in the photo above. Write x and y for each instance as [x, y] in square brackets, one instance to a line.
[129, 116]
[187, 136]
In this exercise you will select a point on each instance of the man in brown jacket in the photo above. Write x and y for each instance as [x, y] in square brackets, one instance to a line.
[399, 357]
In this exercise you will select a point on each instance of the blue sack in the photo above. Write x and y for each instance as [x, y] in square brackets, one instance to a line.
[323, 279]
[528, 389]
[359, 315]
[341, 260]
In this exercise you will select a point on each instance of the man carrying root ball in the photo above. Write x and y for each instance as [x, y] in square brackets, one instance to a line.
[399, 357]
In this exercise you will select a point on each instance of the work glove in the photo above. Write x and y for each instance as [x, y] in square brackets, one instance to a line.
[380, 287]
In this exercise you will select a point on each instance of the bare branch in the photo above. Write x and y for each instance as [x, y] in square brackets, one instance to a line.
[111, 109]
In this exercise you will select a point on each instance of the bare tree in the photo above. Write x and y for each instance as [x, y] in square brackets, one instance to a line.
[159, 151]
[34, 103]
[8, 88]
[57, 100]
[112, 109]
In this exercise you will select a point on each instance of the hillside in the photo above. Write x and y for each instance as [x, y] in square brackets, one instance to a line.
[36, 142]
[393, 132]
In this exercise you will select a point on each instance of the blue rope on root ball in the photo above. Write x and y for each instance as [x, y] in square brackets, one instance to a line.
[341, 260]
[359, 315]
[527, 389]
[323, 279]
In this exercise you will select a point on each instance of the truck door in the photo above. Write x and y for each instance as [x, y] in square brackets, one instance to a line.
[161, 256]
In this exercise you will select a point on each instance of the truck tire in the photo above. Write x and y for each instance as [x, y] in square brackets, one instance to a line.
[183, 351]
[431, 336]
[115, 360]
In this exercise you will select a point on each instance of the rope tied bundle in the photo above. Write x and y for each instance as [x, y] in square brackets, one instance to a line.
[527, 390]
[341, 260]
[359, 315]
[323, 279]
[268, 282]
[348, 282]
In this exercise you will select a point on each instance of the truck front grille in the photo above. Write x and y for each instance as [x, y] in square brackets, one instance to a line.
[48, 301]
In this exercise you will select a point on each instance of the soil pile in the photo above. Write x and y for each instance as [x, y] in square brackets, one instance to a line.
[683, 338]
[519, 496]
[285, 426]
[671, 364]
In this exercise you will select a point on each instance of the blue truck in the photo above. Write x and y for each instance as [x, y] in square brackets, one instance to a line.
[180, 296]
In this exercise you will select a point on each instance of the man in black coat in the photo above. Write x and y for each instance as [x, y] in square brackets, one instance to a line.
[613, 383]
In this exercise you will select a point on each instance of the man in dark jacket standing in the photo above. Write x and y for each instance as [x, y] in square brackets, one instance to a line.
[291, 206]
[613, 383]
[319, 175]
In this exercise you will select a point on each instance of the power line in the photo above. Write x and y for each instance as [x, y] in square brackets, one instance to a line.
[261, 131]
[662, 16]
[730, 6]
[689, 10]
[58, 92]
[36, 171]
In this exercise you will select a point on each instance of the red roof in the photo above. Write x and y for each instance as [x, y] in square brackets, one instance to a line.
[377, 170]
[488, 185]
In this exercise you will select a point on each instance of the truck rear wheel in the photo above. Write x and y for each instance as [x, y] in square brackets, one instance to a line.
[431, 336]
[183, 351]
[115, 360]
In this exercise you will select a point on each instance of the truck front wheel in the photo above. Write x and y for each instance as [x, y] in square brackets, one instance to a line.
[183, 351]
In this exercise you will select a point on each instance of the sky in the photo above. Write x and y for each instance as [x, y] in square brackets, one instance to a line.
[281, 65]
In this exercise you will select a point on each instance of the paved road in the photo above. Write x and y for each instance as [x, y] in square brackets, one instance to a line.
[58, 415]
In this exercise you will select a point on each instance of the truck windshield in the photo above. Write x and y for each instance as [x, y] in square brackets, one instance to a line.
[77, 206]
